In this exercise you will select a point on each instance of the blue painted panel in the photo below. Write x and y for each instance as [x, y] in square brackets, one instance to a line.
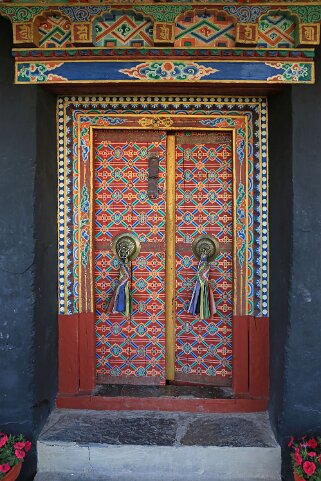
[160, 70]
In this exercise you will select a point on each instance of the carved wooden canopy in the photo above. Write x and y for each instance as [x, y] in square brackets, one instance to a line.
[119, 41]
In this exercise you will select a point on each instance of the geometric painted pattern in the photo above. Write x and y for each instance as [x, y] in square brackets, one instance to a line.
[204, 29]
[277, 31]
[54, 32]
[129, 349]
[119, 29]
[204, 196]
[251, 147]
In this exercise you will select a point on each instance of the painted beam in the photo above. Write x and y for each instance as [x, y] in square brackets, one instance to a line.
[56, 72]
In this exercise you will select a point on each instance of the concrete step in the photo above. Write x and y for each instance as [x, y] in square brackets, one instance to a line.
[157, 446]
[75, 477]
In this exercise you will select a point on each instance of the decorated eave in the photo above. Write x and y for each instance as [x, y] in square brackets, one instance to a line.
[126, 41]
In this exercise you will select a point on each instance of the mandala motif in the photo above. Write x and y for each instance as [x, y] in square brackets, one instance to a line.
[182, 71]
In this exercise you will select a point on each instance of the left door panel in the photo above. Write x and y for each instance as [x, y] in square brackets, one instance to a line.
[129, 350]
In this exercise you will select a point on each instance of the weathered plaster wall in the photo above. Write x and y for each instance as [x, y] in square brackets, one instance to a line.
[28, 325]
[281, 199]
[295, 197]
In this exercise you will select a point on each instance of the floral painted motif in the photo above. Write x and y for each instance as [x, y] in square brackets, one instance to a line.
[240, 224]
[291, 72]
[40, 72]
[169, 71]
[85, 235]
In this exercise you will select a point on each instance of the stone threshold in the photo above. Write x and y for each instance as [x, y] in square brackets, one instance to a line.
[157, 446]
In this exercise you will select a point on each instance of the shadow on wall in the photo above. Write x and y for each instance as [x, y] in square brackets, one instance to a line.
[295, 234]
[28, 253]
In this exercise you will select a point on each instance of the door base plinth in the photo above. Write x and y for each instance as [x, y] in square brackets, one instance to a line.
[169, 404]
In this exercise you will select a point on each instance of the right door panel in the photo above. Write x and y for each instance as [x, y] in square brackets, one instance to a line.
[204, 205]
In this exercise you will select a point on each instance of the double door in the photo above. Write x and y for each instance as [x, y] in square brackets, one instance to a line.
[190, 193]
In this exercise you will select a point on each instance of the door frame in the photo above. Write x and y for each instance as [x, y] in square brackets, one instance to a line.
[250, 316]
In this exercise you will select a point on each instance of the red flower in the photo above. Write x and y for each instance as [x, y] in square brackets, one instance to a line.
[19, 445]
[20, 454]
[312, 443]
[309, 468]
[312, 453]
[291, 441]
[298, 458]
[4, 468]
[27, 446]
[3, 439]
[319, 459]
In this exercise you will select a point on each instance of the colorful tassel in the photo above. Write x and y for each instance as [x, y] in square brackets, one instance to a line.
[121, 302]
[202, 302]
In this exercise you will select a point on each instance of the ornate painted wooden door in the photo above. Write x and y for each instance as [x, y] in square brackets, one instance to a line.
[204, 206]
[132, 349]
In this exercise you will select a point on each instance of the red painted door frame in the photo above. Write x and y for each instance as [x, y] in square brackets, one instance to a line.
[77, 370]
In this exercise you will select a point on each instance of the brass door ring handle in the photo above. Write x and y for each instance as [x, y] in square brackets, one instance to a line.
[126, 246]
[206, 245]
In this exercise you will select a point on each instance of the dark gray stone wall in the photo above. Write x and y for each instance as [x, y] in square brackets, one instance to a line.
[281, 200]
[295, 196]
[28, 259]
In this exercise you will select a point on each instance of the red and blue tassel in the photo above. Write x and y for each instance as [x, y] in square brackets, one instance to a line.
[121, 302]
[202, 303]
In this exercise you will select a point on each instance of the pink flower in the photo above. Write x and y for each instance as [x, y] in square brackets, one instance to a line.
[20, 445]
[312, 443]
[309, 468]
[312, 453]
[27, 446]
[291, 441]
[298, 458]
[20, 454]
[3, 439]
[4, 468]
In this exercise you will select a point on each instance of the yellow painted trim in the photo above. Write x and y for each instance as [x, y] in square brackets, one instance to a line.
[114, 4]
[222, 49]
[170, 257]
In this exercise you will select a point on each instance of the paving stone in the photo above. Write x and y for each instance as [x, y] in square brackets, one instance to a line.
[96, 427]
[239, 430]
